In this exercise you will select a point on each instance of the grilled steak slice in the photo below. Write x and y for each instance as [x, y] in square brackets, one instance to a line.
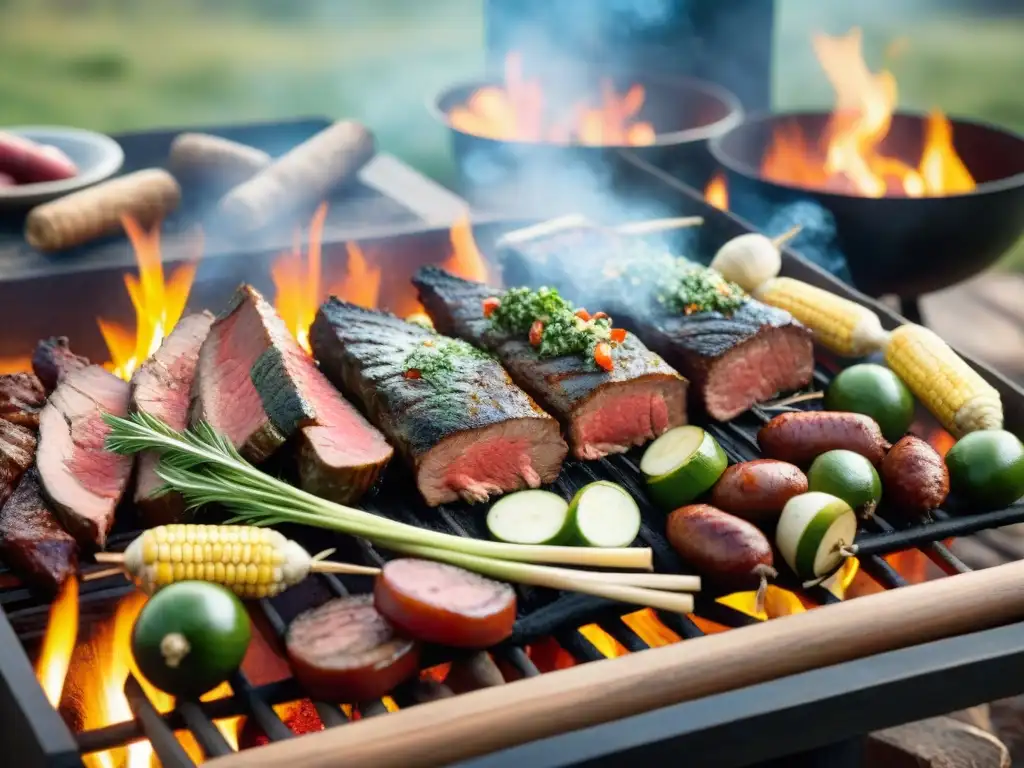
[732, 362]
[161, 388]
[603, 412]
[32, 540]
[17, 449]
[256, 385]
[468, 431]
[53, 359]
[82, 480]
[21, 398]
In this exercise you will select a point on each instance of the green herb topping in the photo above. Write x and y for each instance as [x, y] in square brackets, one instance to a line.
[692, 288]
[434, 360]
[552, 325]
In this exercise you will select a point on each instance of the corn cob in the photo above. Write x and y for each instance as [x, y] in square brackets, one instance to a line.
[839, 324]
[252, 562]
[954, 392]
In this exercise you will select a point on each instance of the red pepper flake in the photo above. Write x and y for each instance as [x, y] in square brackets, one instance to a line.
[603, 355]
[618, 335]
[582, 314]
[536, 331]
[412, 373]
[600, 316]
[490, 304]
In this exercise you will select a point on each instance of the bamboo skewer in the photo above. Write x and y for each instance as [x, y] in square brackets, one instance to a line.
[658, 225]
[491, 719]
[317, 566]
[786, 236]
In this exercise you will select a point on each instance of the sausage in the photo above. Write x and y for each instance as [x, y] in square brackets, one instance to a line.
[303, 176]
[800, 437]
[473, 672]
[344, 650]
[439, 603]
[202, 157]
[758, 490]
[726, 548]
[914, 476]
[146, 196]
[29, 163]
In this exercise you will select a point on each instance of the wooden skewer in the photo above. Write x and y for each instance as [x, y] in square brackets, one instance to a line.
[484, 721]
[658, 225]
[786, 236]
[318, 566]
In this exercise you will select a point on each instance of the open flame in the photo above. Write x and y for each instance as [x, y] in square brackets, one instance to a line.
[716, 193]
[59, 642]
[465, 260]
[848, 157]
[158, 303]
[296, 278]
[518, 111]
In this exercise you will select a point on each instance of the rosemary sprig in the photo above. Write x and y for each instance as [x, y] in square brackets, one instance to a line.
[205, 468]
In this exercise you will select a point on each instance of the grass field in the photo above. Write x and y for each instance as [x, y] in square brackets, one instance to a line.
[116, 65]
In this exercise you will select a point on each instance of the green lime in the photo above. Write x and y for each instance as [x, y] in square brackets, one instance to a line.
[681, 465]
[875, 391]
[847, 475]
[987, 466]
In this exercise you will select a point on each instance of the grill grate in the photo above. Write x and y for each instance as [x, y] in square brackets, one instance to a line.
[543, 614]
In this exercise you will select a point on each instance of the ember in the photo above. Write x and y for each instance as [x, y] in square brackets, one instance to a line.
[717, 193]
[518, 111]
[848, 158]
[158, 304]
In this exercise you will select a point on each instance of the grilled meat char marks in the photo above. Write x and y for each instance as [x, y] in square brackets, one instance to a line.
[17, 451]
[732, 362]
[473, 435]
[737, 361]
[32, 540]
[603, 412]
[83, 481]
[256, 385]
[22, 397]
[161, 387]
[53, 359]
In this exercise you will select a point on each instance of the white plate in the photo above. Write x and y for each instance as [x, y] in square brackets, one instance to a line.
[98, 157]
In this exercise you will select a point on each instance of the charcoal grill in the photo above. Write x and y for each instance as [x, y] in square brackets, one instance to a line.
[776, 718]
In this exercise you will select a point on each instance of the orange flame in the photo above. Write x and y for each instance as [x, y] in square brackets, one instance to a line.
[782, 602]
[517, 112]
[717, 192]
[849, 157]
[15, 364]
[59, 642]
[465, 260]
[158, 304]
[941, 441]
[361, 284]
[296, 280]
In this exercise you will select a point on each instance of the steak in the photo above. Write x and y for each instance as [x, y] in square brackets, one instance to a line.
[602, 412]
[257, 386]
[81, 479]
[53, 359]
[732, 362]
[17, 450]
[21, 398]
[467, 432]
[161, 387]
[32, 540]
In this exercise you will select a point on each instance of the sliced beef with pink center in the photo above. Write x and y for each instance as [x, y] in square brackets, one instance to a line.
[83, 481]
[161, 387]
[256, 385]
[53, 359]
[604, 412]
[465, 428]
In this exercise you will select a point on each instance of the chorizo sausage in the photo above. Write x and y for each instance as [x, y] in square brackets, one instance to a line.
[801, 436]
[439, 603]
[914, 476]
[758, 490]
[344, 650]
[726, 548]
[29, 163]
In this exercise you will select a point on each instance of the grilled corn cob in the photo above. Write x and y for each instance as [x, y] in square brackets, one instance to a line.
[843, 326]
[954, 392]
[252, 562]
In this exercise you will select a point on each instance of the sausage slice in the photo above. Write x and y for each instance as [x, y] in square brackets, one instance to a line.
[439, 603]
